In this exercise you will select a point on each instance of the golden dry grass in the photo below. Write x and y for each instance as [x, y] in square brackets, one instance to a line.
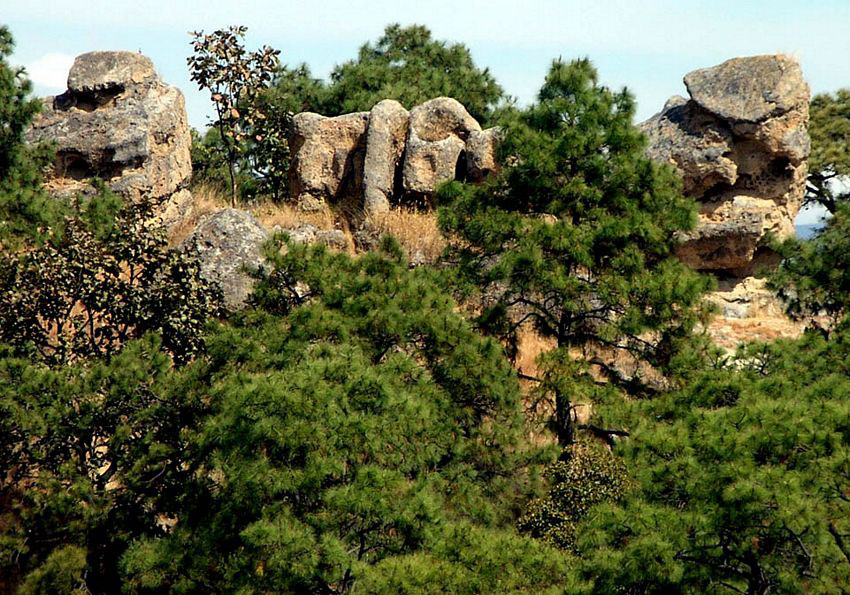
[206, 199]
[416, 231]
[287, 216]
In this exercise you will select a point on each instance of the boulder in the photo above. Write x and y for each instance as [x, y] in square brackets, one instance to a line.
[481, 154]
[439, 129]
[228, 243]
[740, 143]
[327, 157]
[750, 89]
[385, 141]
[308, 233]
[119, 122]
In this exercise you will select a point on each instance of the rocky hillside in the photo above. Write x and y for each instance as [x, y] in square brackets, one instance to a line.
[739, 141]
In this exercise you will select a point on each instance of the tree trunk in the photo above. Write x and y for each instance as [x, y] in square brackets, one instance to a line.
[564, 426]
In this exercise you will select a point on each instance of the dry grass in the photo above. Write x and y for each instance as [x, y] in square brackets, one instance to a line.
[206, 199]
[416, 231]
[287, 216]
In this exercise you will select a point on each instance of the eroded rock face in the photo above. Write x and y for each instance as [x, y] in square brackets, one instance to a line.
[740, 143]
[439, 129]
[228, 243]
[481, 149]
[327, 156]
[385, 141]
[119, 122]
[388, 154]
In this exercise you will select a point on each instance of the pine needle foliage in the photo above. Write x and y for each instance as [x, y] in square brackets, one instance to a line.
[406, 64]
[829, 162]
[360, 433]
[742, 478]
[25, 209]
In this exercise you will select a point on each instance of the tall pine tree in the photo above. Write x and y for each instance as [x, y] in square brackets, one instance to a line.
[576, 236]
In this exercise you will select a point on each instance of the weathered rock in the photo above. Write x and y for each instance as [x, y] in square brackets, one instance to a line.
[119, 122]
[228, 243]
[741, 145]
[104, 71]
[749, 89]
[481, 154]
[385, 141]
[308, 233]
[438, 132]
[327, 156]
[177, 208]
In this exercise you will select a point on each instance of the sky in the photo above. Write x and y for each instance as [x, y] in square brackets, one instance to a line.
[645, 45]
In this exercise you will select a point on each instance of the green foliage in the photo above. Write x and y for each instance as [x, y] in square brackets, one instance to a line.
[405, 64]
[235, 80]
[587, 474]
[356, 434]
[92, 457]
[24, 208]
[105, 277]
[813, 278]
[743, 480]
[829, 129]
[576, 235]
[209, 166]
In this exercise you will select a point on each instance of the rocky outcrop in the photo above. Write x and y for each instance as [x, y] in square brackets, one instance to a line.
[388, 154]
[385, 143]
[228, 244]
[481, 149]
[327, 157]
[438, 132]
[740, 143]
[117, 121]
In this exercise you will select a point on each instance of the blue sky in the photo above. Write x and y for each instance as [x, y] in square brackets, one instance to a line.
[645, 45]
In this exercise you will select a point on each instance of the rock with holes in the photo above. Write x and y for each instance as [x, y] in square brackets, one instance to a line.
[327, 157]
[117, 121]
[385, 141]
[741, 143]
[228, 244]
[438, 132]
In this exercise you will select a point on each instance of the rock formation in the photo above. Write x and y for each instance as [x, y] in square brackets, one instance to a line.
[438, 132]
[228, 243]
[117, 121]
[375, 158]
[740, 143]
[385, 140]
[327, 157]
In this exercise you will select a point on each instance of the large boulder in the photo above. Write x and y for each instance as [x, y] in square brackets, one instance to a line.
[228, 244]
[385, 141]
[481, 149]
[439, 129]
[741, 144]
[117, 121]
[327, 157]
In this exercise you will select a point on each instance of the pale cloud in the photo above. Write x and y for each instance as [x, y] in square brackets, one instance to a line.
[50, 71]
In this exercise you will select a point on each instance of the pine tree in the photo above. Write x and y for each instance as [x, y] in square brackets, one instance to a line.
[829, 162]
[24, 207]
[576, 236]
[405, 64]
[743, 480]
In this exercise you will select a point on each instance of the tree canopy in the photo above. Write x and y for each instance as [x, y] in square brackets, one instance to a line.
[829, 129]
[24, 206]
[405, 64]
[743, 480]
